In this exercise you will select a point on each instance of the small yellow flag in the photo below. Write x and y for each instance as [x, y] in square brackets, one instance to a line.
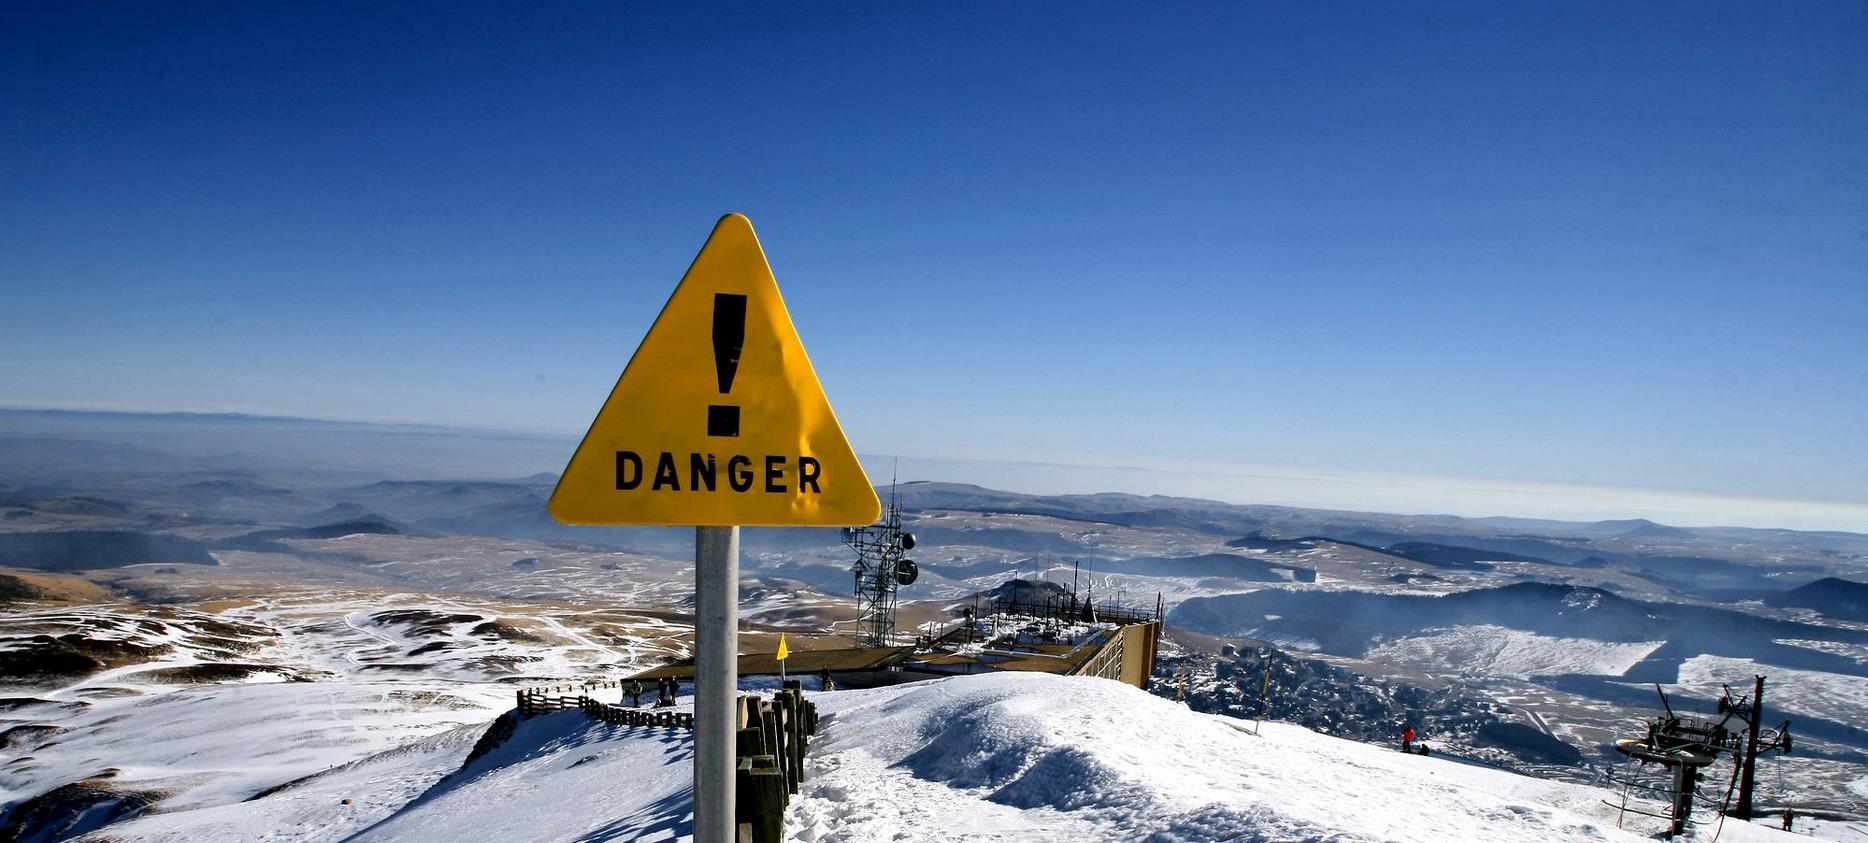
[783, 650]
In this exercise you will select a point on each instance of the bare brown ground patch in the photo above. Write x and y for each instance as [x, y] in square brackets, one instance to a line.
[39, 587]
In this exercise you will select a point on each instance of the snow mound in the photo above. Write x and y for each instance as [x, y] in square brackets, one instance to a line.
[1015, 756]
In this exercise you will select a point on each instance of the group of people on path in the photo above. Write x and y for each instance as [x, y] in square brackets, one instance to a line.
[1407, 742]
[666, 688]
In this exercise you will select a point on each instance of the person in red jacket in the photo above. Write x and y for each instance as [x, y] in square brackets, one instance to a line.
[1407, 739]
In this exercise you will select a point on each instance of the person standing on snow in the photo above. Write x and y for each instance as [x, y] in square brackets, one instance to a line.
[1407, 739]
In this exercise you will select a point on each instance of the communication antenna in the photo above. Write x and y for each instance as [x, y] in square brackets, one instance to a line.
[881, 568]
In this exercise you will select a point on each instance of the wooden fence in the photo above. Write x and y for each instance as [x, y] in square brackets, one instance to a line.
[773, 735]
[768, 747]
[543, 699]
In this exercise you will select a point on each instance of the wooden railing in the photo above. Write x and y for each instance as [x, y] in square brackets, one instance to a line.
[768, 746]
[625, 716]
[542, 699]
[773, 735]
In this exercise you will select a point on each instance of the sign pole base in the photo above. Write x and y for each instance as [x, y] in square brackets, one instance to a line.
[716, 680]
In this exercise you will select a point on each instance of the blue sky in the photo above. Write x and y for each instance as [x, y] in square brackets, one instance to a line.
[1588, 250]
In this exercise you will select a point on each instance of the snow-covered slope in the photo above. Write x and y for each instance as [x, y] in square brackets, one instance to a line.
[556, 777]
[1024, 757]
[1038, 757]
[331, 805]
[107, 710]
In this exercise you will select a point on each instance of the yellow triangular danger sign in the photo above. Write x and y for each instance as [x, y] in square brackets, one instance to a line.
[718, 420]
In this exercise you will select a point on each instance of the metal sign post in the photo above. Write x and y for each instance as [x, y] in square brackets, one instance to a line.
[717, 422]
[716, 680]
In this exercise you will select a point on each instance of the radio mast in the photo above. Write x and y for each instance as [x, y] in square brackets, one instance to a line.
[880, 569]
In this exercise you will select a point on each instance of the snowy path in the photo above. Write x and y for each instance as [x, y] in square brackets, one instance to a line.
[558, 627]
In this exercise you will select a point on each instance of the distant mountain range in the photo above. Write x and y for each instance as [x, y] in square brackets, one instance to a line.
[1832, 596]
[160, 472]
[1349, 622]
[1562, 541]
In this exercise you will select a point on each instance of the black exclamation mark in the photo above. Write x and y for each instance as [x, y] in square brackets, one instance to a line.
[729, 337]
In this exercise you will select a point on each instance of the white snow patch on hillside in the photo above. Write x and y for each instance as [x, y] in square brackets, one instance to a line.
[1858, 652]
[1515, 653]
[1830, 696]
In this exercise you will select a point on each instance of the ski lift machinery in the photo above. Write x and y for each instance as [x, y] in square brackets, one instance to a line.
[1684, 746]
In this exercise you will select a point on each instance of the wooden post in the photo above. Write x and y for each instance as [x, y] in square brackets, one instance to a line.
[768, 727]
[783, 725]
[768, 806]
[794, 745]
[745, 798]
[775, 736]
[746, 743]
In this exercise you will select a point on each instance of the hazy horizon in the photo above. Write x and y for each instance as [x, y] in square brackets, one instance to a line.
[1233, 484]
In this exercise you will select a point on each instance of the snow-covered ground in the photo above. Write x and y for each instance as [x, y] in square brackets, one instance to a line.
[215, 744]
[209, 709]
[1015, 756]
[1026, 757]
[1038, 757]
[330, 805]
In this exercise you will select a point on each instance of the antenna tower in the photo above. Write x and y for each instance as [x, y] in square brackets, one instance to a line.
[880, 570]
